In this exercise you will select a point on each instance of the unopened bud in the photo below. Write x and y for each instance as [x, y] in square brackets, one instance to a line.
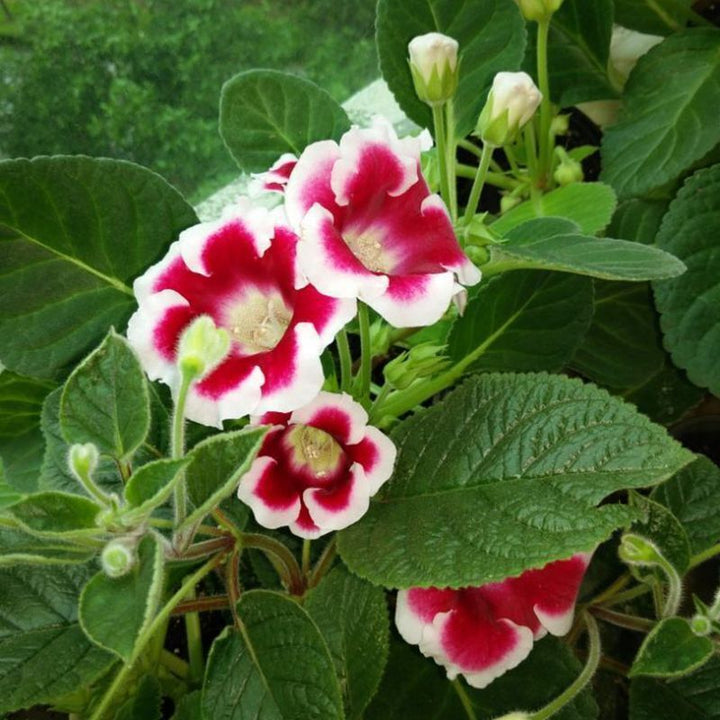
[83, 460]
[508, 202]
[538, 10]
[419, 362]
[560, 125]
[117, 559]
[512, 101]
[568, 171]
[203, 346]
[637, 550]
[701, 625]
[434, 67]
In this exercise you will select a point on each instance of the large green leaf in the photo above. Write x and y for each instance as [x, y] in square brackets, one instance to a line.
[106, 400]
[665, 126]
[152, 485]
[692, 496]
[115, 611]
[578, 52]
[265, 113]
[145, 702]
[654, 17]
[491, 34]
[18, 547]
[8, 496]
[690, 304]
[217, 465]
[56, 512]
[638, 219]
[503, 475]
[589, 205]
[525, 320]
[276, 667]
[695, 697]
[551, 244]
[352, 615]
[80, 229]
[671, 649]
[414, 687]
[43, 652]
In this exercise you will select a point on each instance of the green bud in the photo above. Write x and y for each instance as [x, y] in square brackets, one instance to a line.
[508, 202]
[568, 172]
[420, 361]
[203, 346]
[538, 10]
[560, 125]
[701, 625]
[434, 67]
[117, 559]
[637, 550]
[83, 460]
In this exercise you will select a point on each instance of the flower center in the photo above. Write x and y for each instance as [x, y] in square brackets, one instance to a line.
[367, 248]
[314, 450]
[258, 321]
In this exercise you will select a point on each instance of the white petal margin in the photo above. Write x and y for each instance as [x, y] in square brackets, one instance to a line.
[308, 379]
[315, 261]
[425, 306]
[143, 287]
[341, 402]
[345, 311]
[381, 471]
[266, 516]
[240, 400]
[141, 334]
[358, 504]
[409, 624]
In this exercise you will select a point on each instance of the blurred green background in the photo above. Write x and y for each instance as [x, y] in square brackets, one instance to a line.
[141, 79]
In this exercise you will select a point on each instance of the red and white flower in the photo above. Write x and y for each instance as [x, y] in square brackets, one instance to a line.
[318, 467]
[481, 632]
[371, 229]
[276, 178]
[240, 271]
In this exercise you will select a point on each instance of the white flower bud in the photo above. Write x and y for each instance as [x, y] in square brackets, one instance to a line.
[203, 346]
[117, 559]
[538, 9]
[512, 101]
[83, 460]
[434, 67]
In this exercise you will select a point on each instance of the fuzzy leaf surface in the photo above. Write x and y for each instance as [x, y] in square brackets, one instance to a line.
[689, 305]
[510, 466]
[525, 320]
[56, 512]
[265, 113]
[491, 34]
[79, 230]
[665, 126]
[352, 616]
[277, 668]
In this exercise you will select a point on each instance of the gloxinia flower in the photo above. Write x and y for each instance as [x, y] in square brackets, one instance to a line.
[370, 228]
[275, 179]
[481, 632]
[318, 467]
[241, 272]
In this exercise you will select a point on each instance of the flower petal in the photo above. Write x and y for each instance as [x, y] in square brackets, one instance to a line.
[337, 414]
[415, 608]
[273, 501]
[376, 454]
[328, 315]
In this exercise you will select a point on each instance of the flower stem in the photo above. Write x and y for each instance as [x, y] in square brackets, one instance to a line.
[288, 567]
[478, 183]
[609, 593]
[630, 622]
[158, 622]
[593, 660]
[545, 105]
[365, 354]
[343, 347]
[704, 556]
[194, 642]
[323, 564]
[178, 445]
[306, 557]
[492, 178]
[464, 699]
[451, 158]
[439, 123]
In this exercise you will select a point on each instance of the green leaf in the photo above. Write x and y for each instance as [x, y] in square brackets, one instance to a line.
[671, 649]
[189, 708]
[624, 326]
[21, 459]
[694, 697]
[276, 667]
[588, 205]
[217, 465]
[80, 229]
[56, 512]
[414, 687]
[664, 529]
[690, 305]
[638, 219]
[43, 652]
[653, 17]
[352, 616]
[512, 467]
[152, 485]
[265, 113]
[115, 611]
[8, 496]
[18, 547]
[491, 34]
[578, 52]
[523, 321]
[537, 244]
[106, 400]
[145, 703]
[692, 496]
[665, 126]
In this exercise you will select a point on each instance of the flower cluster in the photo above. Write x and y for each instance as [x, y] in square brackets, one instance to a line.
[481, 632]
